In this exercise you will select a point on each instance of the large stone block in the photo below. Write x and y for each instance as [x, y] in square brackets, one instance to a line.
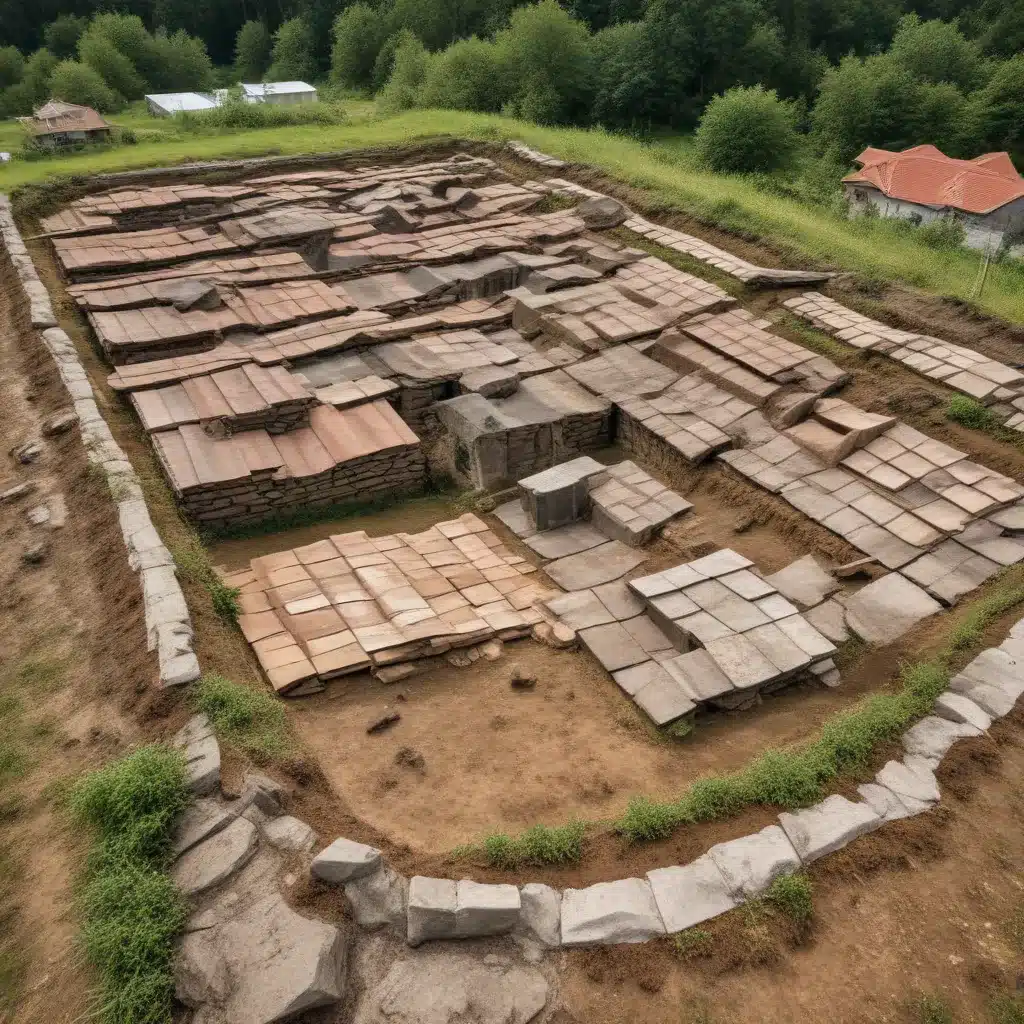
[485, 909]
[345, 861]
[216, 858]
[431, 910]
[749, 865]
[610, 912]
[887, 608]
[541, 913]
[687, 895]
[827, 826]
[804, 582]
[379, 899]
[560, 495]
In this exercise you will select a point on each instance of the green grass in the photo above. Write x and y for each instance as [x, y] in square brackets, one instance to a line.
[932, 1009]
[874, 248]
[793, 895]
[693, 942]
[194, 566]
[1006, 1009]
[132, 912]
[252, 720]
[968, 412]
[538, 845]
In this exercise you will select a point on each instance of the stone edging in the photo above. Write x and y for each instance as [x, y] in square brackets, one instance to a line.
[672, 899]
[168, 625]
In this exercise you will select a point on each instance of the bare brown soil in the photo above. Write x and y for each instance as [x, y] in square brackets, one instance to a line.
[921, 908]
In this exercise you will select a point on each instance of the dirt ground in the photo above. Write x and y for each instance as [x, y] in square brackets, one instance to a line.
[74, 673]
[931, 907]
[921, 908]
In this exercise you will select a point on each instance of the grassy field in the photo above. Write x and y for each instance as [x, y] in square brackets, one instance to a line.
[664, 169]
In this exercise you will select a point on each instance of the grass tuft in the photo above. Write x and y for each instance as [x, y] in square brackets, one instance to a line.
[793, 895]
[692, 943]
[968, 412]
[253, 720]
[933, 1009]
[1006, 1009]
[132, 910]
[538, 845]
[194, 566]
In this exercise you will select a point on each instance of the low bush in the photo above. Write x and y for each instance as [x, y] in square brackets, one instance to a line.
[793, 895]
[251, 719]
[562, 844]
[132, 911]
[943, 233]
[238, 115]
[968, 412]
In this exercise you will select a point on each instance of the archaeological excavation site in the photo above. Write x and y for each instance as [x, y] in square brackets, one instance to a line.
[540, 522]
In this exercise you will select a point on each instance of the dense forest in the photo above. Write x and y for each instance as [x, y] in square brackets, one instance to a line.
[845, 72]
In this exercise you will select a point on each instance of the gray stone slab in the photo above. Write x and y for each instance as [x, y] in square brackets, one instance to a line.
[516, 518]
[652, 586]
[957, 708]
[805, 636]
[289, 834]
[829, 619]
[610, 561]
[804, 582]
[215, 859]
[827, 826]
[201, 819]
[741, 661]
[676, 605]
[887, 805]
[619, 600]
[431, 909]
[613, 646]
[202, 754]
[909, 778]
[345, 861]
[610, 912]
[699, 675]
[883, 545]
[636, 677]
[485, 909]
[379, 900]
[540, 917]
[887, 608]
[933, 736]
[778, 648]
[580, 609]
[559, 495]
[690, 894]
[647, 634]
[662, 698]
[718, 563]
[566, 540]
[995, 700]
[750, 864]
[747, 584]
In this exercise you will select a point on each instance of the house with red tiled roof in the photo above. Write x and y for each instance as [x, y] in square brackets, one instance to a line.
[985, 194]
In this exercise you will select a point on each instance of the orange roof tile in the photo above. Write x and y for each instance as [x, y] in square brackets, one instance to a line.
[925, 175]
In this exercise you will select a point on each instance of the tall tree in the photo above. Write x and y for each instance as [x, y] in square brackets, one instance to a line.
[292, 58]
[252, 51]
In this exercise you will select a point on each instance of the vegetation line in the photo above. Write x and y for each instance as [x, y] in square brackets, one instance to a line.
[776, 778]
[132, 912]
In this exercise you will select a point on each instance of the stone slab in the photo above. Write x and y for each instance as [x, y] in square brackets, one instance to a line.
[431, 909]
[345, 861]
[541, 913]
[690, 894]
[216, 858]
[603, 564]
[957, 708]
[485, 909]
[886, 608]
[827, 826]
[933, 736]
[662, 698]
[613, 646]
[607, 913]
[804, 582]
[201, 819]
[750, 864]
[909, 778]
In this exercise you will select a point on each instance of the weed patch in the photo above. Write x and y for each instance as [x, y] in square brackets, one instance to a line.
[794, 896]
[692, 943]
[932, 1009]
[253, 720]
[1006, 1009]
[968, 412]
[562, 844]
[132, 912]
[194, 566]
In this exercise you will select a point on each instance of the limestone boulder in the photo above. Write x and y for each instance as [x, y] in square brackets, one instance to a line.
[345, 861]
[541, 915]
[449, 988]
[215, 859]
[610, 912]
[379, 900]
[289, 834]
[602, 212]
[280, 963]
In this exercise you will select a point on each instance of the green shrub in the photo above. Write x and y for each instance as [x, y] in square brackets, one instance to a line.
[12, 66]
[746, 129]
[942, 233]
[62, 34]
[132, 911]
[251, 719]
[75, 82]
[132, 803]
[466, 76]
[793, 895]
[412, 63]
[359, 34]
[538, 845]
[235, 114]
[252, 51]
[968, 412]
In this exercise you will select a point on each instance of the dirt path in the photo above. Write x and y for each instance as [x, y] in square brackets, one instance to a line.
[73, 664]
